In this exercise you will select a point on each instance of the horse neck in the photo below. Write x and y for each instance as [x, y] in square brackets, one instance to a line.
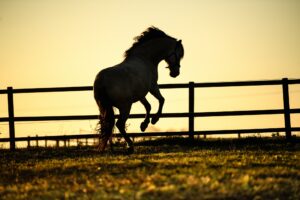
[156, 50]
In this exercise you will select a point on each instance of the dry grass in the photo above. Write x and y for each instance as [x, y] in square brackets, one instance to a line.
[175, 168]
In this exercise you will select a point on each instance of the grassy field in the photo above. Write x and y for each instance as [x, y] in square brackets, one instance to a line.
[176, 168]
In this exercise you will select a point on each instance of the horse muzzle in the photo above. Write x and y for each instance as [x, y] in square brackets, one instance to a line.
[174, 74]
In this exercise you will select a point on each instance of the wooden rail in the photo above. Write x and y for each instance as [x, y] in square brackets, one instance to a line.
[191, 114]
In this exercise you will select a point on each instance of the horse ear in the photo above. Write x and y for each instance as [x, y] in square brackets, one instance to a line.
[179, 41]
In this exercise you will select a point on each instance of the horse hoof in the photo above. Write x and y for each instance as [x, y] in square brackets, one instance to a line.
[143, 126]
[154, 120]
[130, 150]
[100, 150]
[112, 150]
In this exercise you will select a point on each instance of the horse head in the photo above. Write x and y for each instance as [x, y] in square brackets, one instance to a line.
[173, 59]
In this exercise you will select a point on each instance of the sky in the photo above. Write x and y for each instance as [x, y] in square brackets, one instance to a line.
[57, 43]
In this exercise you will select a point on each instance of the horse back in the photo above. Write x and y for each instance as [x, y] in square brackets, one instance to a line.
[126, 82]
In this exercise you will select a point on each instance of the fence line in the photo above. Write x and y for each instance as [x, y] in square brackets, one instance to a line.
[191, 114]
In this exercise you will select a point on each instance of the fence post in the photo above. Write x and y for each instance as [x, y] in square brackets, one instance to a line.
[191, 109]
[286, 104]
[11, 118]
[28, 142]
[37, 141]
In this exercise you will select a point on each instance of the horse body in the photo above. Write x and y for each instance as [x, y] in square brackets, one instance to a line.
[125, 82]
[130, 81]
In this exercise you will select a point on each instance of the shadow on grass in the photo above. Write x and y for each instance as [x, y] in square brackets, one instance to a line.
[159, 145]
[250, 143]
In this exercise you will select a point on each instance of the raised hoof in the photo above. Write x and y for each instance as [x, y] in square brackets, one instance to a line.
[154, 119]
[143, 126]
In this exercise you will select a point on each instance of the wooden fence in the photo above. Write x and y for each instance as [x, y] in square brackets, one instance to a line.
[191, 114]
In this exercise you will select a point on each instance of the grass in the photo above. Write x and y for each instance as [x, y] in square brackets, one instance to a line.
[174, 168]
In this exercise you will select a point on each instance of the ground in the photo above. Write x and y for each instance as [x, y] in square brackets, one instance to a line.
[169, 168]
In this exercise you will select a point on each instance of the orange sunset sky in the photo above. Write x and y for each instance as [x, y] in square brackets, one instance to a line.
[57, 43]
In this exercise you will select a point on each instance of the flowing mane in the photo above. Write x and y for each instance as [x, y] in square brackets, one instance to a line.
[149, 34]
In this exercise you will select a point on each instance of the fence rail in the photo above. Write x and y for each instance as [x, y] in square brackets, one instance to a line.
[191, 114]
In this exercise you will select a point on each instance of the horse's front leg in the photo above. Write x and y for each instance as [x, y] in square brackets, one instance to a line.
[156, 93]
[147, 106]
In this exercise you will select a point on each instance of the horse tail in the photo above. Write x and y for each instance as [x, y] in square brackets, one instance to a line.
[106, 117]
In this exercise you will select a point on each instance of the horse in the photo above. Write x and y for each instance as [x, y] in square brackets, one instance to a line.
[122, 85]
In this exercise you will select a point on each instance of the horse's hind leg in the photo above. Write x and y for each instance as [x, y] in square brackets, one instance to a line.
[124, 113]
[107, 125]
[147, 106]
[110, 140]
